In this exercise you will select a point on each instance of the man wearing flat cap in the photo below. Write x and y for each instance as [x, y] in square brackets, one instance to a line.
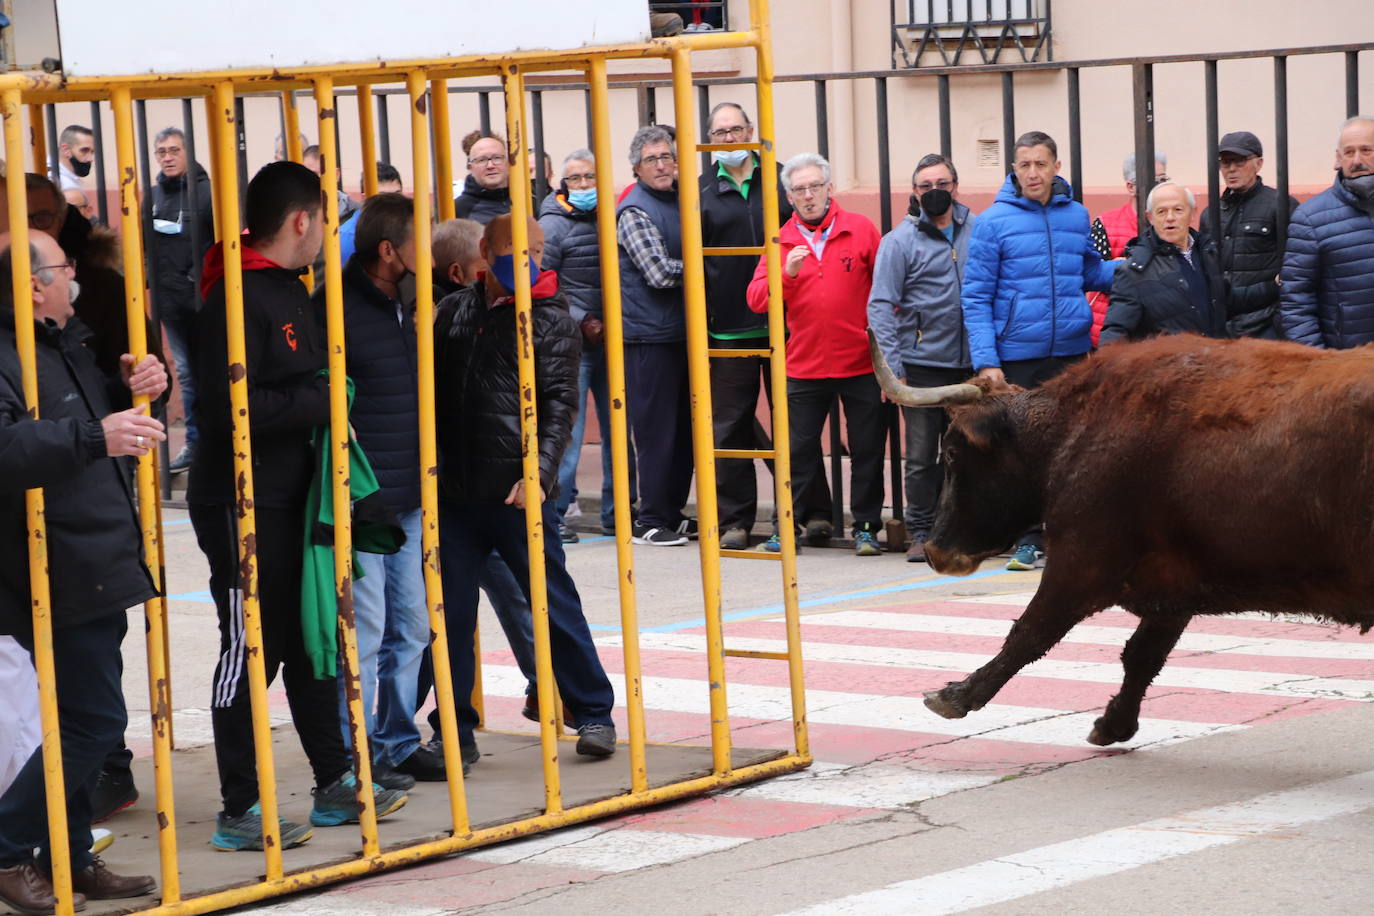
[1253, 227]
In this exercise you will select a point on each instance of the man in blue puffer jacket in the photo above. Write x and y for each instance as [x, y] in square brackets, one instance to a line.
[1030, 260]
[1327, 299]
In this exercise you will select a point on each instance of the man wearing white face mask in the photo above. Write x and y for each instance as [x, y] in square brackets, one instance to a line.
[183, 230]
[573, 251]
[732, 217]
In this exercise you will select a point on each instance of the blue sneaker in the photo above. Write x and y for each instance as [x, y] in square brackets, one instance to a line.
[772, 545]
[1025, 558]
[245, 831]
[866, 544]
[337, 803]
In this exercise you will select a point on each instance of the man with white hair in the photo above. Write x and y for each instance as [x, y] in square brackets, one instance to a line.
[1327, 299]
[1172, 282]
[1113, 231]
[827, 273]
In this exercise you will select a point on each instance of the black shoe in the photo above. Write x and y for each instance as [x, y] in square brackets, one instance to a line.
[114, 791]
[819, 531]
[467, 749]
[391, 778]
[596, 740]
[424, 765]
[181, 462]
[688, 528]
[657, 537]
[568, 535]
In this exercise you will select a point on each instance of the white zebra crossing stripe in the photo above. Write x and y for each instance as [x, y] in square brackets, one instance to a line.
[597, 848]
[873, 785]
[1110, 852]
[1175, 674]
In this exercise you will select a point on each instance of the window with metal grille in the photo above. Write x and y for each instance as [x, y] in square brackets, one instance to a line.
[949, 32]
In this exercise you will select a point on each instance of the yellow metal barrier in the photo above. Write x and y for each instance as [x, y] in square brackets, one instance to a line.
[426, 83]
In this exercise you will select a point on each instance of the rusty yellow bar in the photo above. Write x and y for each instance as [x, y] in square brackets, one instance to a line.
[166, 628]
[212, 128]
[410, 855]
[338, 449]
[39, 593]
[748, 251]
[514, 84]
[777, 335]
[619, 432]
[291, 115]
[703, 435]
[765, 454]
[738, 354]
[155, 610]
[227, 212]
[429, 459]
[443, 149]
[38, 140]
[367, 140]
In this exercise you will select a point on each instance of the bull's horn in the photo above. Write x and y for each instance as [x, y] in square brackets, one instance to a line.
[917, 397]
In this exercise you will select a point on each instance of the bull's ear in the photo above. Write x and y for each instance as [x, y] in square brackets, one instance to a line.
[985, 426]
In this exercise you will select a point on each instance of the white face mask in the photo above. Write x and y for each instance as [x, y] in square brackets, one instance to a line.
[731, 157]
[167, 226]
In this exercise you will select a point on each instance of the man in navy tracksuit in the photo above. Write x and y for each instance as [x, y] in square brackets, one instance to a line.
[1030, 260]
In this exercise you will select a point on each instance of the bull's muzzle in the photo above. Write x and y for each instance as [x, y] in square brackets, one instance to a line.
[950, 562]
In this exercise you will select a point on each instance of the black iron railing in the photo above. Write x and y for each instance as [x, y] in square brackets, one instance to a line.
[943, 32]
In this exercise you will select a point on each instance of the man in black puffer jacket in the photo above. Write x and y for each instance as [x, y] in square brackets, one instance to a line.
[486, 192]
[95, 568]
[389, 606]
[1172, 282]
[481, 484]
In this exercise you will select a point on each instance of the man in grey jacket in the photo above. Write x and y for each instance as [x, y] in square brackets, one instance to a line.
[915, 315]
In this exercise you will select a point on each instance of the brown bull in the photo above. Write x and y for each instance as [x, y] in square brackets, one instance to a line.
[1175, 477]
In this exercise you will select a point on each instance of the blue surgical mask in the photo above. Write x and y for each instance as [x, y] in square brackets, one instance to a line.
[730, 157]
[504, 269]
[583, 200]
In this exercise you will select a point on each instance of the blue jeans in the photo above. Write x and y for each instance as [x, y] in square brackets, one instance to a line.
[592, 379]
[467, 536]
[509, 598]
[393, 631]
[180, 333]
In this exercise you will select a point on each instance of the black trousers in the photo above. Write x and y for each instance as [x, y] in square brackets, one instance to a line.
[924, 478]
[1032, 373]
[660, 415]
[314, 701]
[808, 404]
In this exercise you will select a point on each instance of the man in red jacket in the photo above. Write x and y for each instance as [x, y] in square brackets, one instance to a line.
[827, 270]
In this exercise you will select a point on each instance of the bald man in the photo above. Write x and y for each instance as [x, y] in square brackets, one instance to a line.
[481, 478]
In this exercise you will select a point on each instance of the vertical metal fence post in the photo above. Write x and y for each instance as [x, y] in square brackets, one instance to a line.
[539, 181]
[777, 368]
[37, 139]
[367, 139]
[1209, 91]
[891, 415]
[600, 111]
[1281, 145]
[383, 127]
[54, 169]
[226, 133]
[1075, 137]
[514, 82]
[241, 151]
[1008, 120]
[703, 436]
[39, 594]
[443, 148]
[946, 132]
[484, 111]
[155, 611]
[145, 216]
[429, 457]
[1143, 100]
[339, 477]
[102, 204]
[1352, 84]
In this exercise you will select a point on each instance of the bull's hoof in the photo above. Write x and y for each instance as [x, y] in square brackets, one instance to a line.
[1106, 732]
[942, 704]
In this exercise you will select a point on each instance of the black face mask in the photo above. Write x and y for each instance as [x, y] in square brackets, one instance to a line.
[82, 169]
[936, 202]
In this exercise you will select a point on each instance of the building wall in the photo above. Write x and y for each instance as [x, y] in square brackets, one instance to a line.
[816, 36]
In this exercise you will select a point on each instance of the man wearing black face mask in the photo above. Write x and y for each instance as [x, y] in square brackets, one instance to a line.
[481, 477]
[1326, 299]
[75, 155]
[915, 315]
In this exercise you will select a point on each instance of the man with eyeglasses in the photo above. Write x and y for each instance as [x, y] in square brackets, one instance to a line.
[180, 211]
[1113, 231]
[916, 318]
[650, 250]
[732, 217]
[827, 275]
[572, 250]
[1252, 231]
[486, 191]
[73, 449]
[1030, 260]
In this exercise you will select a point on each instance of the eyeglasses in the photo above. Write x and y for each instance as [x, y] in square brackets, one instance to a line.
[721, 134]
[486, 160]
[584, 178]
[810, 190]
[661, 159]
[43, 219]
[944, 184]
[69, 265]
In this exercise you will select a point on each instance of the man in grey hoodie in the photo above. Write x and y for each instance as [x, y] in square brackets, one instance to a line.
[915, 315]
